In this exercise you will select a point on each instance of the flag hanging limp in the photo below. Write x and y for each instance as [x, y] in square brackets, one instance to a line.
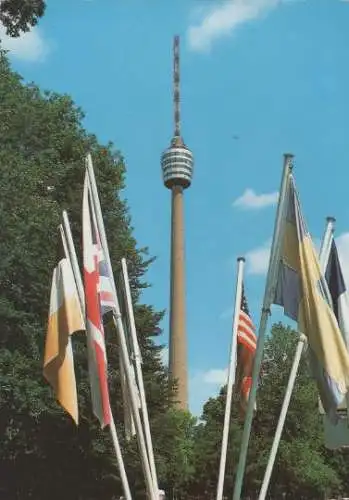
[65, 318]
[302, 291]
[338, 291]
[337, 436]
[98, 297]
[246, 348]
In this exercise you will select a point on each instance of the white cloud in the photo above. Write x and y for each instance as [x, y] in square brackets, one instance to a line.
[223, 19]
[251, 200]
[29, 47]
[257, 260]
[204, 385]
[215, 376]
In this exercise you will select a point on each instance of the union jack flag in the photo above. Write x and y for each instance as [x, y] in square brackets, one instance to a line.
[99, 300]
[105, 291]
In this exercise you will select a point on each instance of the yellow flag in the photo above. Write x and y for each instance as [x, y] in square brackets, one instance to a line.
[302, 291]
[65, 318]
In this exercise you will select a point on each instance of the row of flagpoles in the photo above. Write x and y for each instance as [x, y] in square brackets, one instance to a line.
[78, 305]
[312, 292]
[310, 289]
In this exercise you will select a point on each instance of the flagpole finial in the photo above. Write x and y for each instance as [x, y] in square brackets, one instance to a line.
[241, 259]
[329, 218]
[288, 157]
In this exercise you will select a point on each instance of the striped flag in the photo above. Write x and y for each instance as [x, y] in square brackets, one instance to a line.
[65, 318]
[246, 348]
[99, 300]
[99, 389]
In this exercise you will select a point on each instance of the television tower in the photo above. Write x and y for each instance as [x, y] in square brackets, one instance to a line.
[177, 164]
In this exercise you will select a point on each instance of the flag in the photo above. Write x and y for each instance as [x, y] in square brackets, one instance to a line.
[65, 318]
[302, 291]
[129, 426]
[338, 291]
[246, 348]
[337, 436]
[99, 300]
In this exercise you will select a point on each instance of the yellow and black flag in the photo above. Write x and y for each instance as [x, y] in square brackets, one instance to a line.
[302, 291]
[65, 318]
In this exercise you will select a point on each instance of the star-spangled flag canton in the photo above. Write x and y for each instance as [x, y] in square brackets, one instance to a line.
[247, 343]
[98, 300]
[246, 330]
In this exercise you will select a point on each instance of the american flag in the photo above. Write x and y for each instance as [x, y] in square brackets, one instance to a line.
[246, 348]
[99, 300]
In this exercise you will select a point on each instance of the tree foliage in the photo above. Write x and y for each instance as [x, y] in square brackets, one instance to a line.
[42, 149]
[19, 16]
[42, 454]
[303, 468]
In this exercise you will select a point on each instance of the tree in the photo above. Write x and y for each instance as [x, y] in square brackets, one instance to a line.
[303, 468]
[42, 149]
[176, 448]
[19, 16]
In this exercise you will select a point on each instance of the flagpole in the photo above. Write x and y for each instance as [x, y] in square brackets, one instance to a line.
[280, 426]
[269, 295]
[74, 260]
[231, 377]
[323, 258]
[138, 361]
[122, 338]
[68, 241]
[325, 245]
[129, 426]
[120, 459]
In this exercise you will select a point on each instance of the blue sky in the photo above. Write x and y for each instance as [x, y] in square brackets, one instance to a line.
[272, 73]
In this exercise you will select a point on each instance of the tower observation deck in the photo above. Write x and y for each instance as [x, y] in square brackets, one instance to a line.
[177, 164]
[177, 161]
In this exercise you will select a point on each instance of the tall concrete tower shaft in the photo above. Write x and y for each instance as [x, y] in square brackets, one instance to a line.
[177, 164]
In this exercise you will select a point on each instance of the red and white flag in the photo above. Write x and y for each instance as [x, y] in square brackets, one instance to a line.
[246, 348]
[99, 299]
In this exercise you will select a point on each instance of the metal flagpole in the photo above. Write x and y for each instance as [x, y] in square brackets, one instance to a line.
[323, 258]
[122, 339]
[231, 377]
[138, 361]
[326, 243]
[67, 237]
[120, 459]
[269, 295]
[74, 260]
[280, 426]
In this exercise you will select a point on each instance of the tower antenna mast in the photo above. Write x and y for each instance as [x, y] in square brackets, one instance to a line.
[176, 88]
